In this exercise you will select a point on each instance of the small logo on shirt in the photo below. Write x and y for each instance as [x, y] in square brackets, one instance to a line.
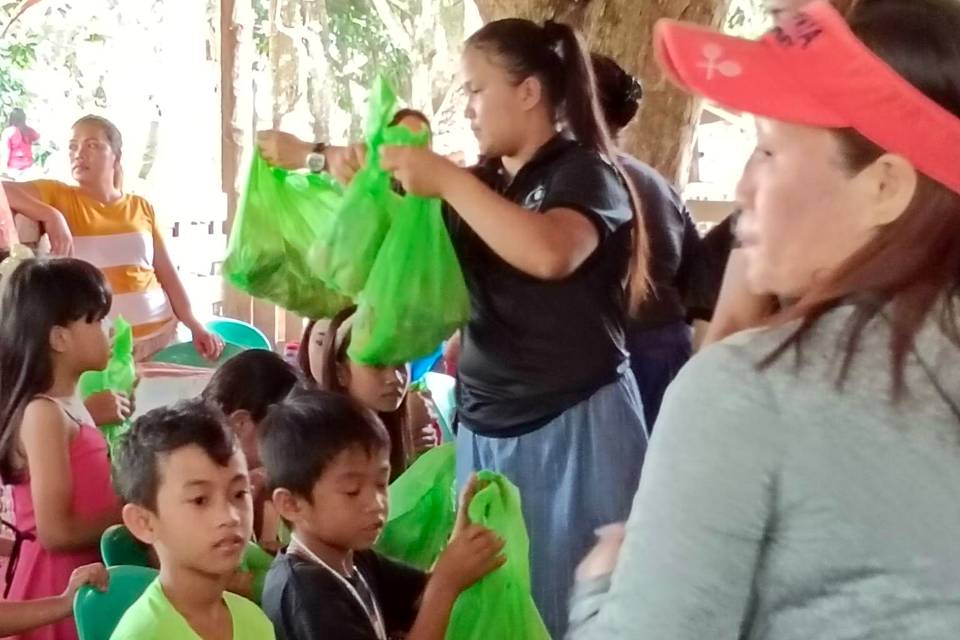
[535, 198]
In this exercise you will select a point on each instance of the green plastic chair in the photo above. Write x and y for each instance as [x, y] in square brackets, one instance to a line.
[119, 547]
[239, 333]
[98, 613]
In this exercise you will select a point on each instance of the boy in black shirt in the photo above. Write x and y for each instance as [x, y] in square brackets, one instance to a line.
[327, 461]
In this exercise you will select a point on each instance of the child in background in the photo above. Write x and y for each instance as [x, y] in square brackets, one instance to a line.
[19, 617]
[188, 494]
[244, 388]
[50, 453]
[381, 389]
[327, 458]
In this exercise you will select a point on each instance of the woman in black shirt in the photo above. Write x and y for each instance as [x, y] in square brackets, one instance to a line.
[551, 251]
[553, 256]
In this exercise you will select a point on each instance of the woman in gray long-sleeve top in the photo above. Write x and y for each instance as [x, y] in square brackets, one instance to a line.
[803, 480]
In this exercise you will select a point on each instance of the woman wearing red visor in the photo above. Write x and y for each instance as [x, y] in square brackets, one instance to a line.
[803, 480]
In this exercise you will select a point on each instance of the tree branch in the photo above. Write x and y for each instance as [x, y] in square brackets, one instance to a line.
[395, 27]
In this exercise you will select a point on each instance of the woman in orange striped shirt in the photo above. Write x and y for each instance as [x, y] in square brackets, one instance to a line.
[118, 233]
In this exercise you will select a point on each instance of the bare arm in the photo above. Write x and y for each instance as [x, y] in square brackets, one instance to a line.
[737, 307]
[209, 345]
[45, 434]
[172, 285]
[20, 617]
[24, 199]
[550, 246]
[5, 149]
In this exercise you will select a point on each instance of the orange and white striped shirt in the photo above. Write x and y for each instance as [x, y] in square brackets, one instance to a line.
[119, 239]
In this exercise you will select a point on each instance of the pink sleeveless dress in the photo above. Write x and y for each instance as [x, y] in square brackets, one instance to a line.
[41, 573]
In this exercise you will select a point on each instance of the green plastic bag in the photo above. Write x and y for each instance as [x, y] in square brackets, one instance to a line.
[500, 605]
[256, 561]
[280, 217]
[415, 297]
[120, 376]
[423, 510]
[349, 246]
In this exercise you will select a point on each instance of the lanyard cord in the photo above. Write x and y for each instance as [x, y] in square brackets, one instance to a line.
[375, 616]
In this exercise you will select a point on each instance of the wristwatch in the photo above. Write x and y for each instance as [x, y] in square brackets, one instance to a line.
[316, 161]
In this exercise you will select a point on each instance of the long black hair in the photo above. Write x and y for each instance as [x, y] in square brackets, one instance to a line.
[556, 55]
[40, 295]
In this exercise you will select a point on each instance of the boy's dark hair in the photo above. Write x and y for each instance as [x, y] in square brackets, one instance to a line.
[251, 381]
[161, 432]
[301, 436]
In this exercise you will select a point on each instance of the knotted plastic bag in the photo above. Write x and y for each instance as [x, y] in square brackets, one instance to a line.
[280, 217]
[415, 297]
[500, 605]
[120, 376]
[348, 248]
[423, 510]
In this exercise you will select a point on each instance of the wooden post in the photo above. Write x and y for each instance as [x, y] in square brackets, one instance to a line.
[236, 106]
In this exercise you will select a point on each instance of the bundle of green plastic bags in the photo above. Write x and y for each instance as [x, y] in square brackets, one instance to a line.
[120, 376]
[346, 251]
[423, 510]
[310, 246]
[281, 215]
[415, 296]
[500, 605]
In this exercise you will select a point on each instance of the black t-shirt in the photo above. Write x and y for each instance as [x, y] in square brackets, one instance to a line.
[704, 287]
[534, 348]
[675, 246]
[304, 601]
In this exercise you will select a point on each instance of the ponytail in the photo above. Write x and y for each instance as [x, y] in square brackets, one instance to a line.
[556, 55]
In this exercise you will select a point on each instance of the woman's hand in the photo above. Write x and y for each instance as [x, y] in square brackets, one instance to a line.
[209, 345]
[421, 171]
[57, 230]
[423, 421]
[602, 559]
[108, 407]
[344, 162]
[282, 149]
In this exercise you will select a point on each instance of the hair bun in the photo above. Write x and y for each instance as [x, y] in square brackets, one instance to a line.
[555, 33]
[634, 92]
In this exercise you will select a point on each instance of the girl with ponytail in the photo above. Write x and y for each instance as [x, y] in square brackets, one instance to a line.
[551, 245]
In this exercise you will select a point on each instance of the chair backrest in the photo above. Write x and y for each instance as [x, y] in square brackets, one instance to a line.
[186, 354]
[240, 333]
[119, 547]
[98, 613]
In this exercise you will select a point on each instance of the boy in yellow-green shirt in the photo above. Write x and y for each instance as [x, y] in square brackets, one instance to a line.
[188, 492]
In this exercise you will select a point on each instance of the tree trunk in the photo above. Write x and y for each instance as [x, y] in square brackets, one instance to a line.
[662, 134]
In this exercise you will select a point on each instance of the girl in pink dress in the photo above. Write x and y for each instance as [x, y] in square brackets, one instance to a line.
[50, 453]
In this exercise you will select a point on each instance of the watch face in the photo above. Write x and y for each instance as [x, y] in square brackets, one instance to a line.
[316, 162]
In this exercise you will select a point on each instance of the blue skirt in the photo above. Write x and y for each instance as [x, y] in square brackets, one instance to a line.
[577, 473]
